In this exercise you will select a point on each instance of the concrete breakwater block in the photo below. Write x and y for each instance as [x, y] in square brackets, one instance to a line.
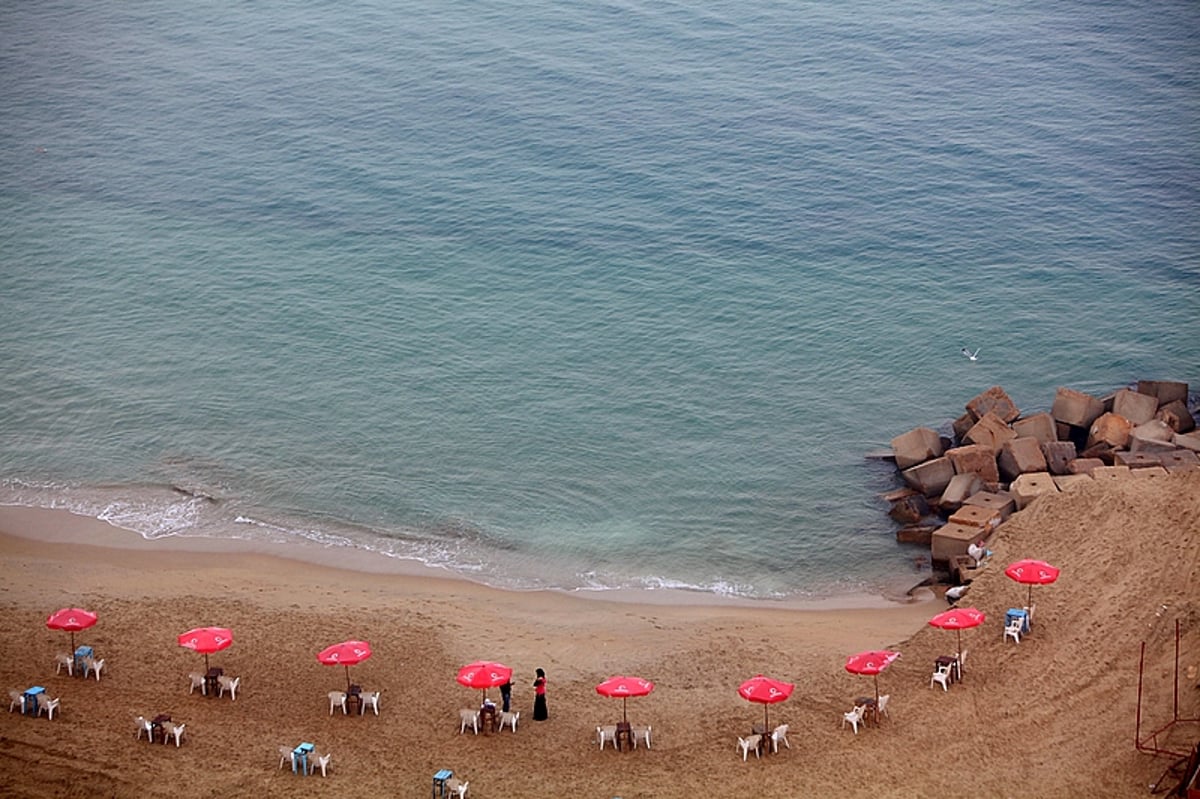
[995, 400]
[1138, 460]
[1028, 487]
[1040, 426]
[991, 431]
[910, 508]
[1076, 408]
[1069, 482]
[1135, 407]
[1181, 460]
[1058, 455]
[930, 477]
[1176, 416]
[1084, 465]
[1111, 473]
[1151, 471]
[1165, 390]
[960, 487]
[1002, 502]
[977, 459]
[916, 534]
[952, 539]
[1020, 456]
[1188, 441]
[986, 519]
[916, 446]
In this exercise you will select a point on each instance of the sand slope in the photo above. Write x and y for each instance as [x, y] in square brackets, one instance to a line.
[1053, 716]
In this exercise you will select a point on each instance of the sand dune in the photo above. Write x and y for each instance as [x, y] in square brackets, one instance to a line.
[1053, 716]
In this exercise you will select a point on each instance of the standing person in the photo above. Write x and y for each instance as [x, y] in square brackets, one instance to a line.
[506, 695]
[539, 700]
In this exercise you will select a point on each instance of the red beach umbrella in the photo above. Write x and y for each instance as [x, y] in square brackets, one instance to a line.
[206, 640]
[484, 674]
[624, 687]
[1031, 573]
[871, 662]
[958, 619]
[347, 653]
[72, 620]
[765, 691]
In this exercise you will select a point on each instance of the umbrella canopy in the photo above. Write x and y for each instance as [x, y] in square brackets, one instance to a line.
[1031, 573]
[206, 640]
[624, 687]
[347, 653]
[765, 691]
[871, 662]
[958, 619]
[72, 620]
[484, 674]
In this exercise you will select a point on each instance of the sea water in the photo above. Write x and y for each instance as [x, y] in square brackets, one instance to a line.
[584, 295]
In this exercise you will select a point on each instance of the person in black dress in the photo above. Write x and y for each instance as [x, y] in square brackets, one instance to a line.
[539, 700]
[505, 696]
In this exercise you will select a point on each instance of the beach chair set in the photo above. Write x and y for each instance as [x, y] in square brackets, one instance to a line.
[32, 702]
[305, 759]
[1018, 622]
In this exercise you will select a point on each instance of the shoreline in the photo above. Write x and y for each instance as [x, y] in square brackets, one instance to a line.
[64, 526]
[1121, 584]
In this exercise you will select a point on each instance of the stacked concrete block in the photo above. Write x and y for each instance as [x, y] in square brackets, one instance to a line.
[1058, 455]
[1040, 426]
[1000, 501]
[1152, 436]
[1176, 416]
[930, 477]
[1188, 441]
[1110, 431]
[1164, 391]
[986, 519]
[952, 539]
[1137, 460]
[1084, 465]
[975, 459]
[1020, 456]
[1028, 487]
[1135, 407]
[1111, 473]
[995, 401]
[910, 508]
[916, 446]
[991, 431]
[1181, 460]
[1075, 408]
[960, 487]
[1069, 482]
[961, 425]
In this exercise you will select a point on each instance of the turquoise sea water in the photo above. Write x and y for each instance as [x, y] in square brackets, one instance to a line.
[588, 295]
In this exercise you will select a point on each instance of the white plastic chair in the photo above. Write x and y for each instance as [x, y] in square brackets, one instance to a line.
[320, 761]
[643, 733]
[777, 735]
[197, 682]
[92, 665]
[368, 698]
[63, 659]
[881, 709]
[1013, 629]
[941, 674]
[855, 717]
[607, 732]
[287, 754]
[746, 744]
[337, 699]
[229, 684]
[48, 706]
[143, 726]
[1029, 614]
[170, 730]
[960, 661]
[456, 786]
[468, 717]
[18, 699]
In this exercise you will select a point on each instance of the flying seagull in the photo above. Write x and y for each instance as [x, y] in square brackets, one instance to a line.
[973, 356]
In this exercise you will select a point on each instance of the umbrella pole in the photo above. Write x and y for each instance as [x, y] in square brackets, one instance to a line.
[347, 668]
[72, 642]
[876, 693]
[624, 716]
[205, 662]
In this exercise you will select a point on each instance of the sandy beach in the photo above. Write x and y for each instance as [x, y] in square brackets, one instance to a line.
[1052, 716]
